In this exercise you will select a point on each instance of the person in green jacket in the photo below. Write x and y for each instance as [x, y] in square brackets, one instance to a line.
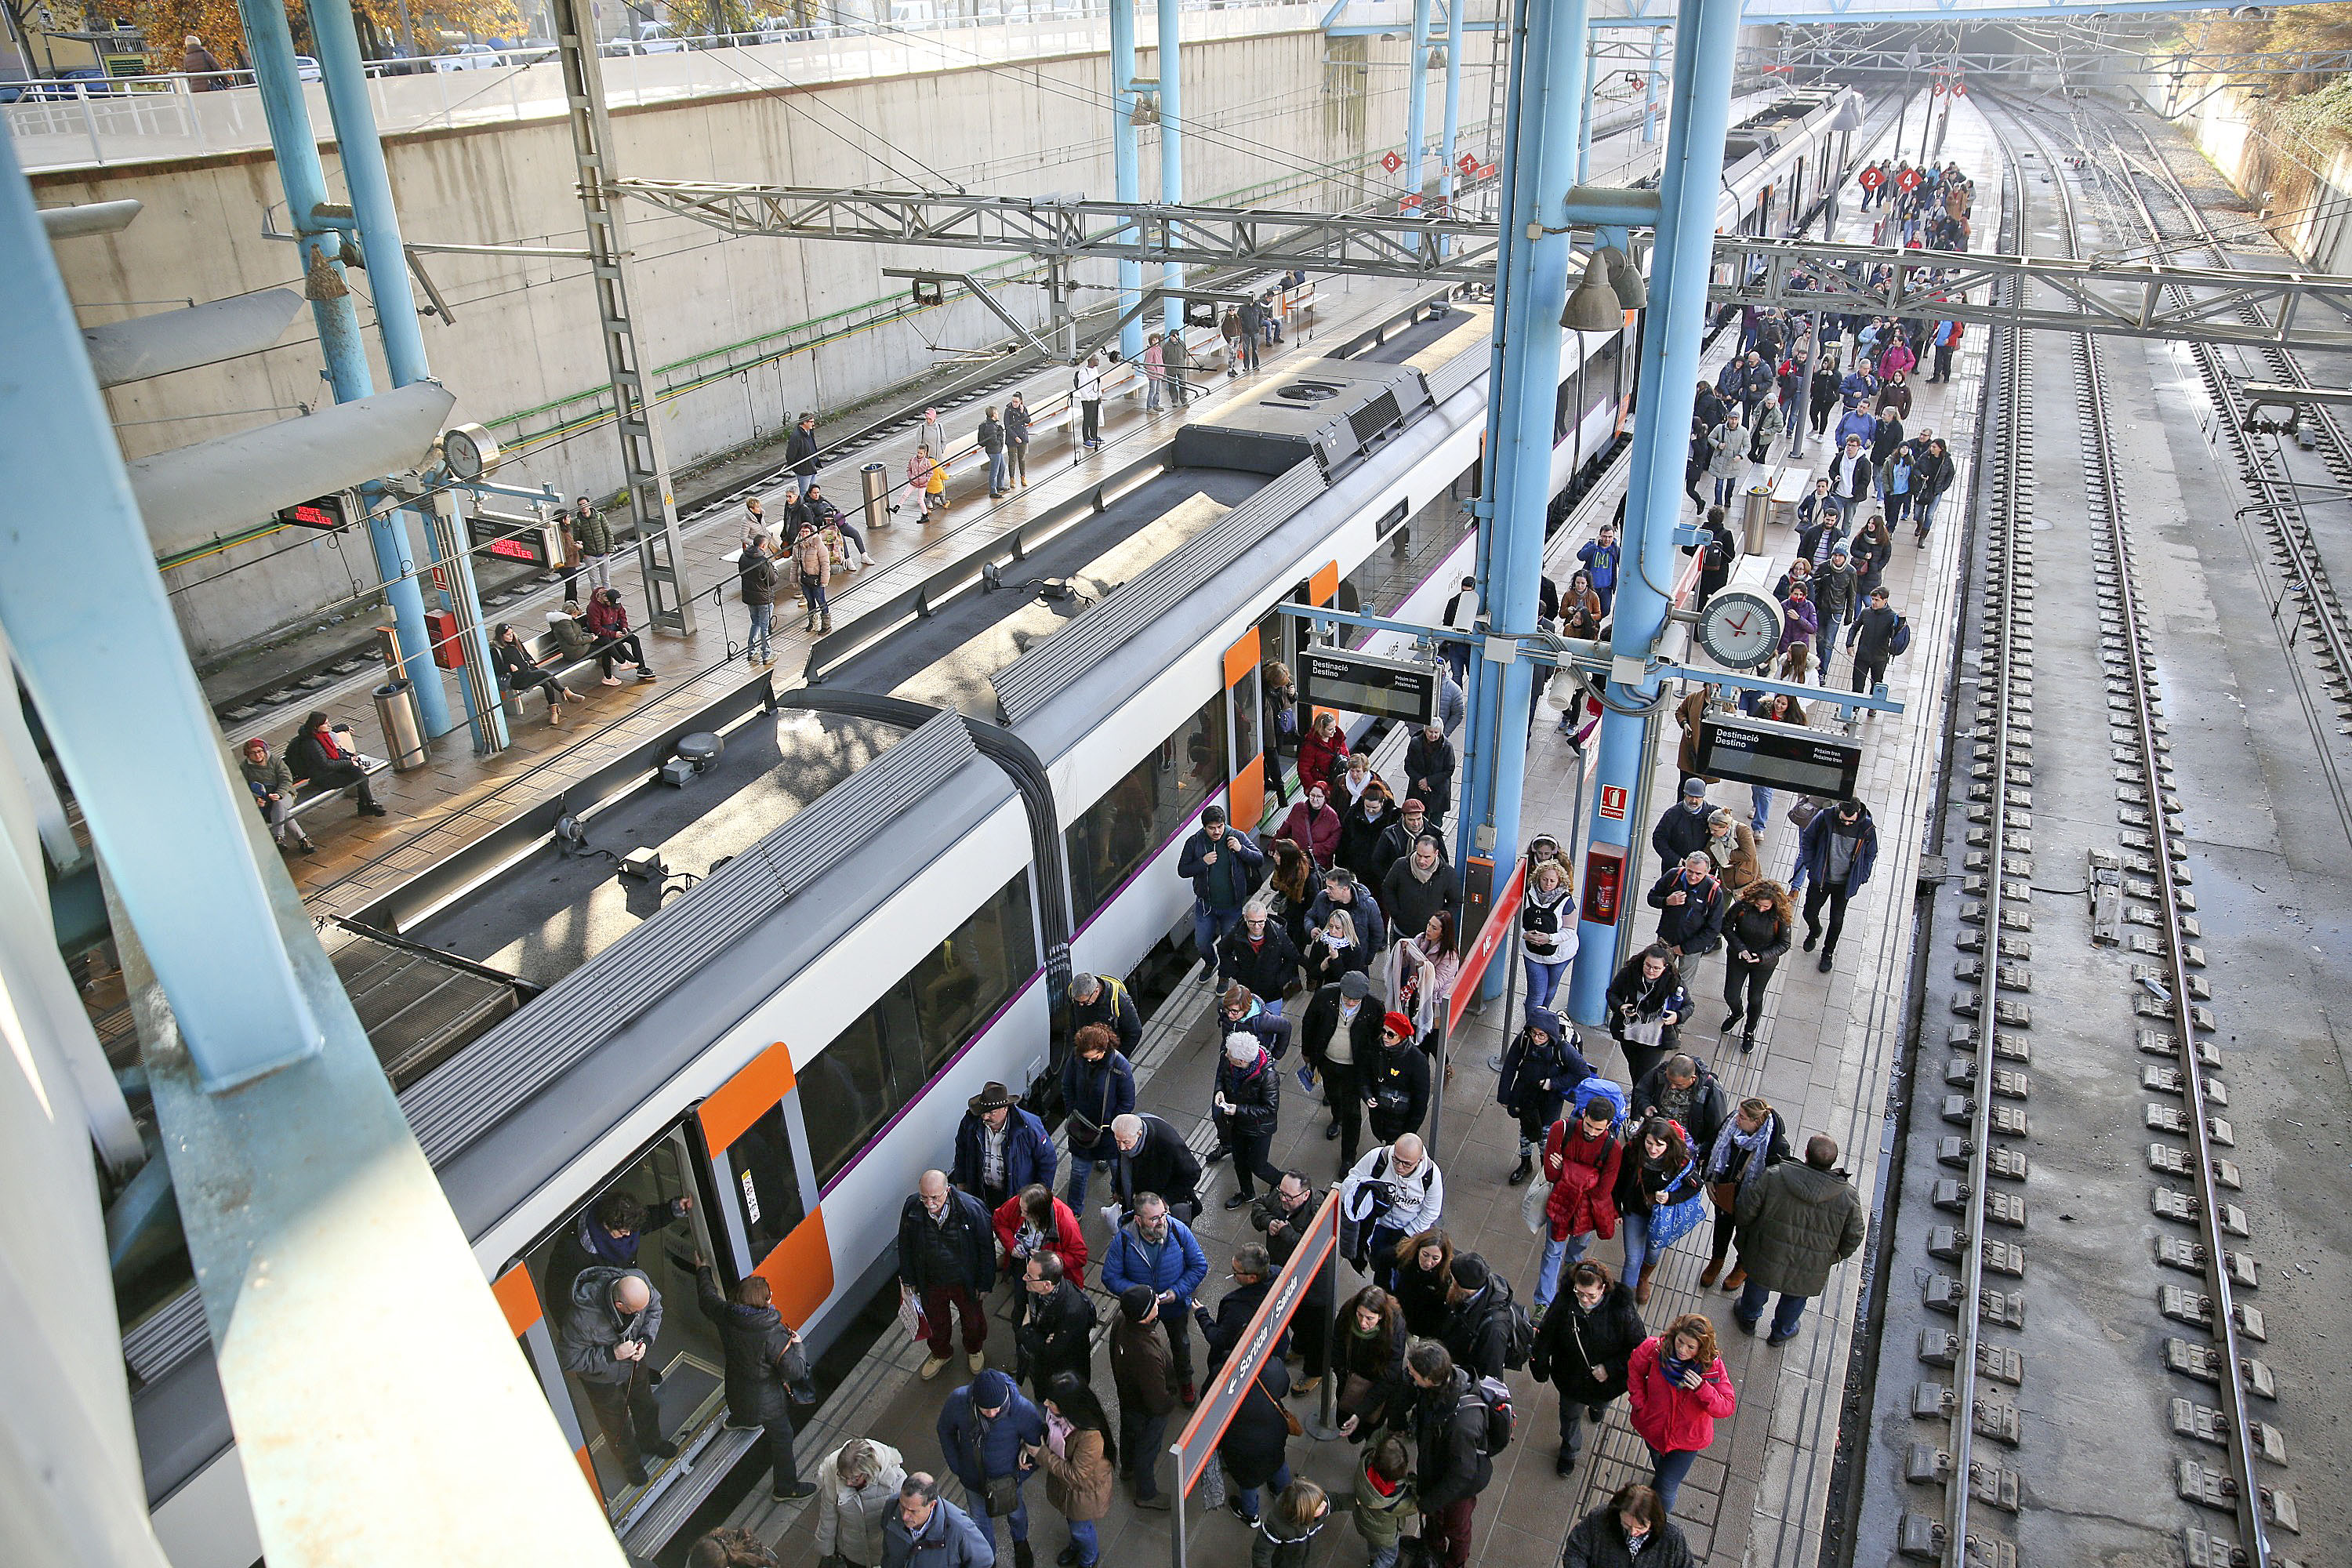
[595, 536]
[272, 783]
[1797, 1222]
[1385, 1498]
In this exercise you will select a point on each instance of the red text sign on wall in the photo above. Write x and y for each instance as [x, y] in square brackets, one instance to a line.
[1613, 802]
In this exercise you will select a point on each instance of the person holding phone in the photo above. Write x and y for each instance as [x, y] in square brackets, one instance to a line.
[1678, 1390]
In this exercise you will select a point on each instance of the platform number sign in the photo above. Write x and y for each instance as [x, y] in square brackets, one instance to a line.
[1613, 802]
[1467, 163]
[1392, 162]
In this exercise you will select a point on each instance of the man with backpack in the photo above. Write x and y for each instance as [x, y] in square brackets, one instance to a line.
[1487, 1331]
[1456, 1432]
[1873, 638]
[1393, 1193]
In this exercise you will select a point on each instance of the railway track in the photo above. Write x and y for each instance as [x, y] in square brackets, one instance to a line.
[2142, 902]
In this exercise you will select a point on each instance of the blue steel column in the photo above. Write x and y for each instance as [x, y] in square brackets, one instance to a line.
[378, 220]
[1547, 100]
[1447, 149]
[1416, 103]
[1706, 34]
[1172, 141]
[1585, 124]
[1650, 93]
[1126, 173]
[102, 655]
[271, 42]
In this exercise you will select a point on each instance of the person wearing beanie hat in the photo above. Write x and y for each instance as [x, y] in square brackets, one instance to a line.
[1542, 1068]
[1339, 1035]
[1478, 1327]
[1143, 1370]
[572, 642]
[982, 1429]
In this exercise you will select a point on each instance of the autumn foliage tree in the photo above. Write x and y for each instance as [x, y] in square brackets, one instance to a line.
[167, 22]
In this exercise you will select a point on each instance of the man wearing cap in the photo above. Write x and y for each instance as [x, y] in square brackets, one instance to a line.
[1396, 1080]
[1001, 1147]
[1340, 1036]
[1143, 1369]
[1683, 829]
[984, 1428]
[1397, 840]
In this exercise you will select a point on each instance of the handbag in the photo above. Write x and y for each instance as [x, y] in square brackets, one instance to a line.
[1803, 809]
[1643, 1032]
[1725, 1195]
[1534, 1207]
[910, 1315]
[1354, 1391]
[1000, 1496]
[1290, 1422]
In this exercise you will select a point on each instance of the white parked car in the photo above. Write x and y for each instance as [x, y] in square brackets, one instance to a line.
[468, 57]
[306, 68]
[656, 38]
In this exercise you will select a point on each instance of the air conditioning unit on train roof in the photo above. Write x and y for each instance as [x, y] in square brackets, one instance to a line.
[1333, 410]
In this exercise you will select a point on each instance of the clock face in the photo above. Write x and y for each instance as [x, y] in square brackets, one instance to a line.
[1740, 630]
[469, 451]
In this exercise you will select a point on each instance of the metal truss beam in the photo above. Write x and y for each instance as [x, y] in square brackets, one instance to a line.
[2085, 59]
[2116, 299]
[1373, 244]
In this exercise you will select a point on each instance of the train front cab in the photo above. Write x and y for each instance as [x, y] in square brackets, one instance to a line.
[738, 1159]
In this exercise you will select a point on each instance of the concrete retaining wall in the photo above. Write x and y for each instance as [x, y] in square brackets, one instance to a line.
[1275, 125]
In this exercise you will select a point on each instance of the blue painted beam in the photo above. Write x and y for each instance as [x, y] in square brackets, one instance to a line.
[1126, 169]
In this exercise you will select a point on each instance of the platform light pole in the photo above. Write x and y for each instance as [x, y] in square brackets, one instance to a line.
[1544, 107]
[1706, 35]
[269, 41]
[1127, 170]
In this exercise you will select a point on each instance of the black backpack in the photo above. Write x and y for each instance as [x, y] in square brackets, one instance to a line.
[1501, 1420]
[1519, 1336]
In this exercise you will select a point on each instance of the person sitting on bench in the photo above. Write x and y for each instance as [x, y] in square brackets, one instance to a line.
[518, 673]
[323, 759]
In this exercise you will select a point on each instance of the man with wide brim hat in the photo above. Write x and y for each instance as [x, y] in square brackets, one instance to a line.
[1000, 1147]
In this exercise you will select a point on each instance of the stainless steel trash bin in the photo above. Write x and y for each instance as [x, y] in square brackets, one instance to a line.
[874, 480]
[403, 729]
[1754, 507]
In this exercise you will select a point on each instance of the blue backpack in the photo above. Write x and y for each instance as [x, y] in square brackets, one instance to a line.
[1599, 1088]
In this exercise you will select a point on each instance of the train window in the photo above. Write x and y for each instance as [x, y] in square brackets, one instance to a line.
[881, 1063]
[766, 1192]
[1391, 520]
[1143, 810]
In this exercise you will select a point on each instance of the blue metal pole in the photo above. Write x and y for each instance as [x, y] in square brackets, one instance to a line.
[1126, 173]
[378, 221]
[271, 42]
[1416, 103]
[1584, 122]
[1448, 147]
[1531, 286]
[102, 654]
[1171, 140]
[1706, 45]
[1650, 94]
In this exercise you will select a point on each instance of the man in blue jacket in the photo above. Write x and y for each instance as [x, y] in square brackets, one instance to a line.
[1001, 1147]
[1156, 1249]
[926, 1530]
[1223, 865]
[1835, 856]
[983, 1429]
[1600, 556]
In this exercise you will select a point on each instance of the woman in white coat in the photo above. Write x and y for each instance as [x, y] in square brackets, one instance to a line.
[858, 1494]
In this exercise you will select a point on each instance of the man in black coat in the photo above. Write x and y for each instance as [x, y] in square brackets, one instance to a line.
[1409, 826]
[1478, 1330]
[1683, 828]
[1420, 886]
[1095, 999]
[1057, 1324]
[947, 1257]
[1223, 1333]
[1429, 771]
[1690, 904]
[800, 449]
[1581, 1347]
[1258, 954]
[1343, 1016]
[1153, 1158]
[1284, 1215]
[1448, 1416]
[755, 1342]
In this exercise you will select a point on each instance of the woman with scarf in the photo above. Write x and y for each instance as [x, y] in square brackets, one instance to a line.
[1583, 1346]
[1755, 936]
[1731, 850]
[1646, 1009]
[1079, 1457]
[1658, 1187]
[1368, 1341]
[1334, 950]
[1371, 814]
[1580, 610]
[1547, 931]
[1752, 1141]
[1422, 970]
[1869, 551]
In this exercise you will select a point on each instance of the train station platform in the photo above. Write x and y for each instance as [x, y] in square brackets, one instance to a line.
[1824, 1057]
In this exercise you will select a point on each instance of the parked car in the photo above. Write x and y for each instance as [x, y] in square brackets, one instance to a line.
[81, 81]
[468, 57]
[307, 69]
[656, 38]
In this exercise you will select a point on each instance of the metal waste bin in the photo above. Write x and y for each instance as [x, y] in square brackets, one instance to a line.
[874, 481]
[403, 729]
[1754, 507]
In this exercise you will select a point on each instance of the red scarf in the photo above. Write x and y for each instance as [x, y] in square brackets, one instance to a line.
[326, 738]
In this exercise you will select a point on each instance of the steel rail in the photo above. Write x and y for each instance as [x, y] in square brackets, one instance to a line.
[2253, 1539]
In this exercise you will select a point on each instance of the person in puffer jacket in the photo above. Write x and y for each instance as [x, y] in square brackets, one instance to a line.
[1580, 1157]
[926, 1530]
[1541, 1068]
[1679, 1391]
[758, 1346]
[858, 1496]
[1286, 1530]
[1583, 1346]
[1248, 1101]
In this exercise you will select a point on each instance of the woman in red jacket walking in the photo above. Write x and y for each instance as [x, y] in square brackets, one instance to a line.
[1033, 1220]
[1678, 1390]
[1322, 754]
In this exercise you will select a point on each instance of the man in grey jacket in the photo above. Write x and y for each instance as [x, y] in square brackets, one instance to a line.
[607, 1336]
[1796, 1224]
[1832, 592]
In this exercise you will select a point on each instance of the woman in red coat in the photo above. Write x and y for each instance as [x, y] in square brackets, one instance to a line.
[1679, 1391]
[1322, 753]
[1580, 1161]
[1313, 826]
[1033, 1220]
